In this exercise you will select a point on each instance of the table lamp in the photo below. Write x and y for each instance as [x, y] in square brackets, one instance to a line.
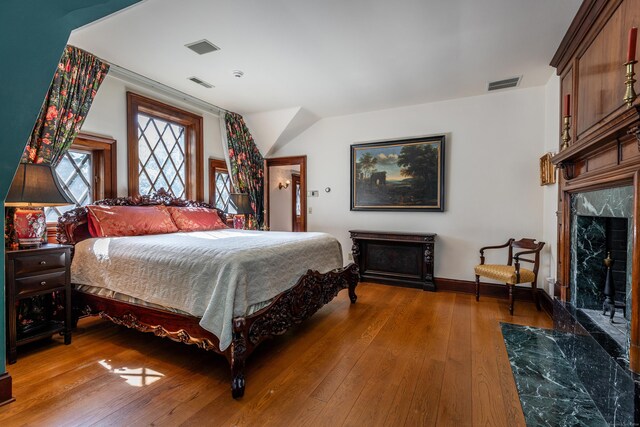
[34, 187]
[242, 205]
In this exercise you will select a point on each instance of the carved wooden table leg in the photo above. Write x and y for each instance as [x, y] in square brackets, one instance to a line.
[353, 282]
[429, 254]
[237, 358]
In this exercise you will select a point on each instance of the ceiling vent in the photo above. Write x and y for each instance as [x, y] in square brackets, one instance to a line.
[203, 46]
[504, 84]
[201, 82]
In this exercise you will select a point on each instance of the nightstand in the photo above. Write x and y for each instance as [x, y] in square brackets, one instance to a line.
[37, 273]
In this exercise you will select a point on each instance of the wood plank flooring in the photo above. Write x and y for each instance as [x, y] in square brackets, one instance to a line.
[397, 357]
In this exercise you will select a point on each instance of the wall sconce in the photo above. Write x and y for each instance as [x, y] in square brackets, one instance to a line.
[286, 185]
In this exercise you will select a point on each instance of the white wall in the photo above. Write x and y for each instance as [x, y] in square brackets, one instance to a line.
[550, 192]
[493, 145]
[280, 213]
[108, 117]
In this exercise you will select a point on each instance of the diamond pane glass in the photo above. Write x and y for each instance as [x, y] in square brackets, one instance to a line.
[144, 184]
[74, 174]
[223, 189]
[152, 169]
[178, 189]
[161, 148]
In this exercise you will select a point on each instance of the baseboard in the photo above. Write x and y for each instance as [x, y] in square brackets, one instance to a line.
[546, 302]
[5, 389]
[493, 290]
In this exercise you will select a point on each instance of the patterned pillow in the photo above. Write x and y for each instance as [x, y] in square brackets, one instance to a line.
[115, 221]
[196, 219]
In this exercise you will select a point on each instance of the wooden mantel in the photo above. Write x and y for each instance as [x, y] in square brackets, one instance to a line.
[604, 150]
[620, 126]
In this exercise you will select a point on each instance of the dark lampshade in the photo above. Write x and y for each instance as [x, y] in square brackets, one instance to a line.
[241, 203]
[36, 185]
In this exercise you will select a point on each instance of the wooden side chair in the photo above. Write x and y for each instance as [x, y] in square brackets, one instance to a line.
[512, 273]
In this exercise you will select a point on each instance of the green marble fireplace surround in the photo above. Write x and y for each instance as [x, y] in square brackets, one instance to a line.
[601, 221]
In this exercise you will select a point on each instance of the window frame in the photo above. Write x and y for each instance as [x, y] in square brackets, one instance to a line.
[104, 169]
[104, 161]
[194, 146]
[215, 165]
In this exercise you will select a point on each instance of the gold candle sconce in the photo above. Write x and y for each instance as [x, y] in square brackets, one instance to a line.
[630, 94]
[566, 134]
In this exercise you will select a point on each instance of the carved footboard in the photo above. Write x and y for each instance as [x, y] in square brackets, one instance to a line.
[293, 306]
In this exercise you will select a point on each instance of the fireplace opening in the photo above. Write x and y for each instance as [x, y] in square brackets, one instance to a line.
[601, 273]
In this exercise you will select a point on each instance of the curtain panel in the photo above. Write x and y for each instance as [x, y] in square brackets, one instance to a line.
[73, 88]
[247, 164]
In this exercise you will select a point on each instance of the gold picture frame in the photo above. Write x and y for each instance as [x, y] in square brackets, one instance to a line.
[398, 175]
[547, 170]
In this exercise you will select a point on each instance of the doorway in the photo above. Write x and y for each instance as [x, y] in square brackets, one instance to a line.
[296, 199]
[285, 192]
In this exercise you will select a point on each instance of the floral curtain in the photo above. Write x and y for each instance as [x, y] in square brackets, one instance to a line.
[74, 86]
[247, 165]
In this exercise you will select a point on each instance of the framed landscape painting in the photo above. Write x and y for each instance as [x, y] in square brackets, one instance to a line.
[402, 175]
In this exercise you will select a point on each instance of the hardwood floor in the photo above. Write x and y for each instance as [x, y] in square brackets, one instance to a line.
[397, 357]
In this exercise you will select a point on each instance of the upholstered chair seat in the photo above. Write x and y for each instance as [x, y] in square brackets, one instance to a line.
[511, 273]
[504, 273]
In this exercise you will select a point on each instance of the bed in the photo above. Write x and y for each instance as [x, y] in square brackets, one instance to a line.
[224, 291]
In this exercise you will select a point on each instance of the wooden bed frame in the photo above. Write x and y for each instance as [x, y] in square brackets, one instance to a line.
[312, 291]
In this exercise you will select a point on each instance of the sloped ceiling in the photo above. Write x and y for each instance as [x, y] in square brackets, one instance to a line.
[333, 57]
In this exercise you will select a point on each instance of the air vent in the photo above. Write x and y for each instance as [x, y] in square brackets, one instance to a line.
[201, 82]
[203, 46]
[504, 84]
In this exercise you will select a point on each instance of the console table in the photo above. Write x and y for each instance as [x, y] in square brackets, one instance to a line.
[401, 259]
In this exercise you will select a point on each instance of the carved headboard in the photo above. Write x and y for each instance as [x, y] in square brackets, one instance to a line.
[73, 227]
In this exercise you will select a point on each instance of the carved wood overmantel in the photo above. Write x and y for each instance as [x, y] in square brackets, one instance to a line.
[604, 148]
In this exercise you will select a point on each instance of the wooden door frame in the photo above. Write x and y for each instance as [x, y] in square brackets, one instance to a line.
[300, 161]
[295, 177]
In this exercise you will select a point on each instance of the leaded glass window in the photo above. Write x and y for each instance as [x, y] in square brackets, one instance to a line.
[223, 189]
[161, 156]
[75, 175]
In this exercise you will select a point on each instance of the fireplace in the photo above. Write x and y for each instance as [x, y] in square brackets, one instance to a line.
[600, 353]
[601, 227]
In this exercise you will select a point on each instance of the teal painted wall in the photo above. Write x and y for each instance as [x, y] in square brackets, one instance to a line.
[32, 37]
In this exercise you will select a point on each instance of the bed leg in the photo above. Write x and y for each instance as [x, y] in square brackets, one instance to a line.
[76, 314]
[352, 292]
[238, 354]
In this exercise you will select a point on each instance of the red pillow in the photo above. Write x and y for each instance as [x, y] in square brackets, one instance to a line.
[115, 221]
[196, 219]
[92, 225]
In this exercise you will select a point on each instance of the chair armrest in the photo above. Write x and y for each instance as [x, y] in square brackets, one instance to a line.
[496, 247]
[519, 254]
[493, 247]
[529, 252]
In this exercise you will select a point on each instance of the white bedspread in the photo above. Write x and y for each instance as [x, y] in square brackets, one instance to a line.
[215, 275]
